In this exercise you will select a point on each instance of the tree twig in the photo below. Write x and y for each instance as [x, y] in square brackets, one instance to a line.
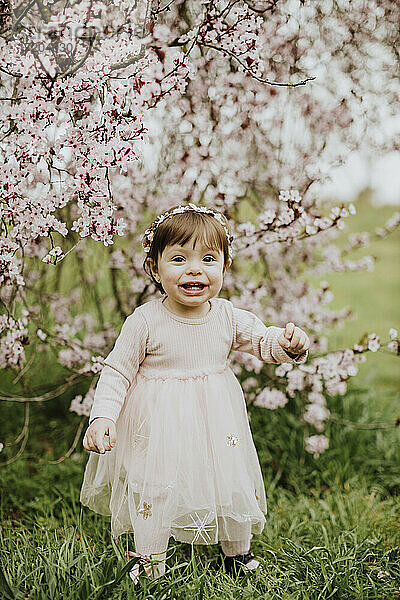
[365, 425]
[72, 448]
[24, 434]
[47, 395]
[278, 83]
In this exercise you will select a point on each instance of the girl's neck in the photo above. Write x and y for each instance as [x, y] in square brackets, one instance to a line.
[191, 312]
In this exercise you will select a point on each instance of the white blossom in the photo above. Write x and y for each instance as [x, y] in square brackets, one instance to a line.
[373, 345]
[315, 414]
[316, 444]
[41, 335]
[83, 407]
[270, 399]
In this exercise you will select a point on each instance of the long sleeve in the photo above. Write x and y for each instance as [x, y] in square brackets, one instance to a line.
[120, 369]
[252, 336]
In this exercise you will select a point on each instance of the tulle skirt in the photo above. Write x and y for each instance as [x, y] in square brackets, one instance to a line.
[184, 459]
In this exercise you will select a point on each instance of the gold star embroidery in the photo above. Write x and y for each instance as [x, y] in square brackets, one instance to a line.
[231, 440]
[146, 510]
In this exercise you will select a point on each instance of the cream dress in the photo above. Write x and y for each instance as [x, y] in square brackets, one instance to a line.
[185, 460]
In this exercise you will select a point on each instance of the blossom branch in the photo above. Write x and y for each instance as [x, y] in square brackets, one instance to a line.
[260, 79]
[22, 14]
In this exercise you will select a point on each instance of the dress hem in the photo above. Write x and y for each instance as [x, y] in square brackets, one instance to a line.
[255, 529]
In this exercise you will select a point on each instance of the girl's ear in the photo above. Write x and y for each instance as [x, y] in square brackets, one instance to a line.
[153, 269]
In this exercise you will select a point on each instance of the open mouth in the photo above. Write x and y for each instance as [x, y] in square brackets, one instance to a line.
[193, 287]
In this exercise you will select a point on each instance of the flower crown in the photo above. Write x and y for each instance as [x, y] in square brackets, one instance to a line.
[149, 233]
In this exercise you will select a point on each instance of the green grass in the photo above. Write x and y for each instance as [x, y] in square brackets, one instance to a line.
[332, 523]
[322, 544]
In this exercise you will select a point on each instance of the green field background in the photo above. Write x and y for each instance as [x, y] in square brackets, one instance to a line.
[374, 297]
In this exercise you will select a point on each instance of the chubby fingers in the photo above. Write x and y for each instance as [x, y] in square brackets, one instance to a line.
[289, 330]
[303, 343]
[100, 436]
[295, 339]
[93, 441]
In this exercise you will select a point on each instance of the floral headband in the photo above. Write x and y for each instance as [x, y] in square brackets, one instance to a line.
[149, 233]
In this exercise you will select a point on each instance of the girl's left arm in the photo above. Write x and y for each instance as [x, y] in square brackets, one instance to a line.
[252, 336]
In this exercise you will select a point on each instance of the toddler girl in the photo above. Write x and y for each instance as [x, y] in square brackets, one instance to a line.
[180, 460]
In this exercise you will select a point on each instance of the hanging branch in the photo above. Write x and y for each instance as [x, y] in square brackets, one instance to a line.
[72, 380]
[24, 434]
[364, 425]
[72, 448]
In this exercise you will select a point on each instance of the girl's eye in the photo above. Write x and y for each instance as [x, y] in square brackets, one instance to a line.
[181, 257]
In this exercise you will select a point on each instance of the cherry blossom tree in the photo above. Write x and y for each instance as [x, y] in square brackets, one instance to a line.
[241, 102]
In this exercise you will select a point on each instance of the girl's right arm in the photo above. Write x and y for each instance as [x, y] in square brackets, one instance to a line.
[119, 371]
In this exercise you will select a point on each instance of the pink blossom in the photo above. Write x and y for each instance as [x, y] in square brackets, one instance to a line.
[13, 337]
[296, 381]
[289, 196]
[316, 398]
[336, 387]
[117, 259]
[283, 369]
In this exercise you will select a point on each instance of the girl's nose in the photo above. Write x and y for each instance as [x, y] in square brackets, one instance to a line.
[194, 268]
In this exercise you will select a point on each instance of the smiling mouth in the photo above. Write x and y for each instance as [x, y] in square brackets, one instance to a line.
[193, 286]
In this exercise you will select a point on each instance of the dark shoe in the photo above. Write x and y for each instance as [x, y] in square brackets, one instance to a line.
[241, 563]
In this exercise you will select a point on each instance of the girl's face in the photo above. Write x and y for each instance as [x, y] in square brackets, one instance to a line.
[179, 266]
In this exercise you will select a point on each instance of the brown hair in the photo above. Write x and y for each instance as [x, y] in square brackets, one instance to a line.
[182, 227]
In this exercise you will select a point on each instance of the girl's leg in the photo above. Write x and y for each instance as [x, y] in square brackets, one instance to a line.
[235, 548]
[151, 539]
[239, 550]
[238, 547]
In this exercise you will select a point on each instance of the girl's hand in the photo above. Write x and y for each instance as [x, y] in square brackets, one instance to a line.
[95, 440]
[294, 339]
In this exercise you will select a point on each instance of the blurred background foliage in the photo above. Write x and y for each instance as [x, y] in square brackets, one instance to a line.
[372, 296]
